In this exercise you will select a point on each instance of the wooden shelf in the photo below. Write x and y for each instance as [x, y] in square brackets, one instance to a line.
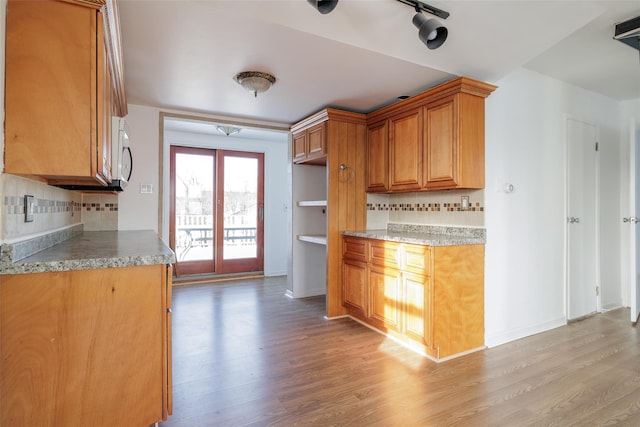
[319, 239]
[304, 203]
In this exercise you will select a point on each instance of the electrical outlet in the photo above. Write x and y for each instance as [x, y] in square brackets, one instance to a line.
[464, 203]
[28, 208]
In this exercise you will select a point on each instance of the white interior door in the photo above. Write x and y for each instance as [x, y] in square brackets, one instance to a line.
[582, 259]
[634, 203]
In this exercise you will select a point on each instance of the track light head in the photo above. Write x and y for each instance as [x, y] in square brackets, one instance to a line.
[430, 31]
[323, 6]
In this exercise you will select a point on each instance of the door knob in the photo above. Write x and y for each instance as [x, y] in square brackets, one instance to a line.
[631, 219]
[573, 220]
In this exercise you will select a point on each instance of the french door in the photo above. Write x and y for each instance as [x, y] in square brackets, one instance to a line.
[217, 211]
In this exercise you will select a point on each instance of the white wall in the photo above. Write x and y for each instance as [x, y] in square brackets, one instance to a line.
[140, 211]
[525, 252]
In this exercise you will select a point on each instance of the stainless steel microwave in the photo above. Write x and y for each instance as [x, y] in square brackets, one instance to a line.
[121, 157]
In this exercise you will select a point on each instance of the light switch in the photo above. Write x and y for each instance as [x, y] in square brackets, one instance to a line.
[146, 189]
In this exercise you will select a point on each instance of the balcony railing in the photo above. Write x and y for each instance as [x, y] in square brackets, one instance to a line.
[196, 231]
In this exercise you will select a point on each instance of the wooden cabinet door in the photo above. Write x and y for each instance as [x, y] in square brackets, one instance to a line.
[354, 287]
[51, 55]
[83, 348]
[385, 298]
[377, 157]
[417, 307]
[299, 146]
[442, 143]
[316, 142]
[405, 151]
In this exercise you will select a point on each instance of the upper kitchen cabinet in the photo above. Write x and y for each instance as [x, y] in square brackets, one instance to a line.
[394, 153]
[64, 81]
[405, 151]
[432, 141]
[377, 158]
[309, 145]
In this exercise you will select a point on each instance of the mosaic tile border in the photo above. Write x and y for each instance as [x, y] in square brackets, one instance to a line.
[423, 207]
[99, 207]
[14, 205]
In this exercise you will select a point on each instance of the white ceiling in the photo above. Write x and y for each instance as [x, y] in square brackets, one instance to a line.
[183, 54]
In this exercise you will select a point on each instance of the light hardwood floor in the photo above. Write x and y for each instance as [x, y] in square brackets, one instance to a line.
[246, 355]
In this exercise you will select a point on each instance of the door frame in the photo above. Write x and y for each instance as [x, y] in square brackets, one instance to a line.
[271, 138]
[598, 281]
[634, 283]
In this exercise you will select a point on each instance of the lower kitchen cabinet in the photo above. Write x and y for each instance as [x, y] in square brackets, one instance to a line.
[431, 297]
[385, 299]
[353, 291]
[86, 347]
[417, 305]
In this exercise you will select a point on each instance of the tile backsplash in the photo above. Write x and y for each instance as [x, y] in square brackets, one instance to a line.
[100, 211]
[435, 208]
[54, 209]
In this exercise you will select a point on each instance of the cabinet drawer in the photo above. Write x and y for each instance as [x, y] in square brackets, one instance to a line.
[416, 259]
[384, 253]
[354, 248]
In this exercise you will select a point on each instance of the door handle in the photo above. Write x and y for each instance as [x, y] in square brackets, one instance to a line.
[631, 219]
[261, 214]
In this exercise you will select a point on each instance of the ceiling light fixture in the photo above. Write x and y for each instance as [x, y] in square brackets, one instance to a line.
[227, 130]
[430, 31]
[323, 6]
[255, 81]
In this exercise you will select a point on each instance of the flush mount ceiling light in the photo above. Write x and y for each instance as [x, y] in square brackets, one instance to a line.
[227, 130]
[255, 81]
[323, 6]
[430, 31]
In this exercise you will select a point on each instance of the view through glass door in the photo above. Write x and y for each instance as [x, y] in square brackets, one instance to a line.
[241, 216]
[217, 211]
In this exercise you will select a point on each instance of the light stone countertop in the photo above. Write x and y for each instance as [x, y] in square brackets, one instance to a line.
[425, 235]
[95, 249]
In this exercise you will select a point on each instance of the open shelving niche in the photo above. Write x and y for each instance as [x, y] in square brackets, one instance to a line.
[319, 239]
[309, 228]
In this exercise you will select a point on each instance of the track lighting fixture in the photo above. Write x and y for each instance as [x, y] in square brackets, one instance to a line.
[323, 6]
[430, 31]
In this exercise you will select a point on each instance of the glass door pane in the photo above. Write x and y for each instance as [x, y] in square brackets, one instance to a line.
[240, 212]
[194, 193]
[240, 207]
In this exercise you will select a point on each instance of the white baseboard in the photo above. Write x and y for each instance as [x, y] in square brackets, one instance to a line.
[493, 340]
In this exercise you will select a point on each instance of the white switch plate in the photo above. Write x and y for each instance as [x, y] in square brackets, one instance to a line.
[146, 189]
[464, 203]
